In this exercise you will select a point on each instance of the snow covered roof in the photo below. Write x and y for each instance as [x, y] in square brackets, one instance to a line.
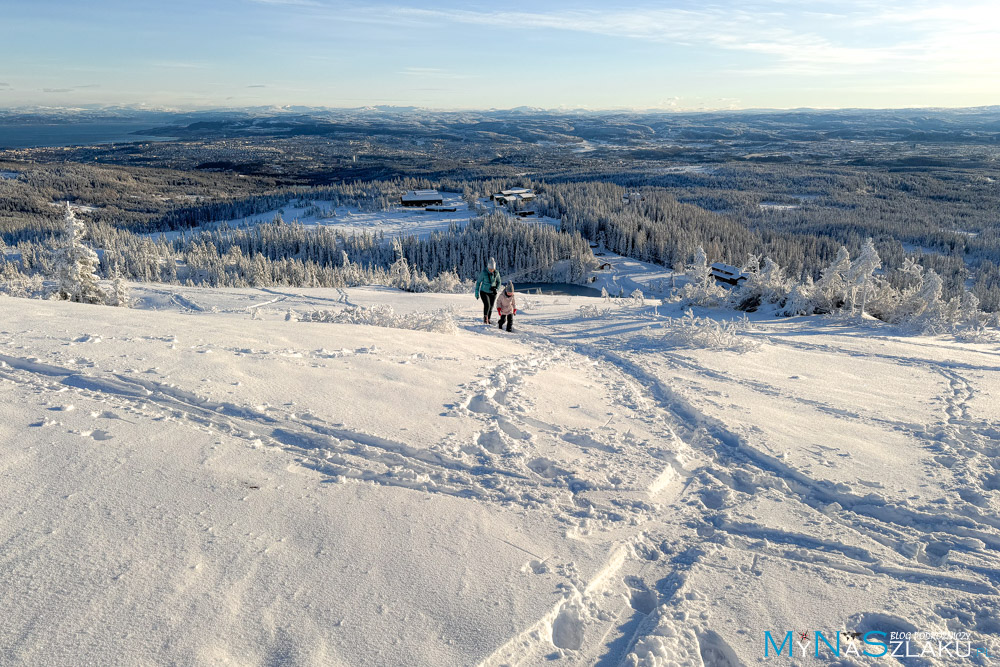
[421, 195]
[726, 271]
[518, 191]
[523, 196]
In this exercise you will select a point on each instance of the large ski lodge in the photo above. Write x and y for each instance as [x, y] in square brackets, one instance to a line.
[422, 198]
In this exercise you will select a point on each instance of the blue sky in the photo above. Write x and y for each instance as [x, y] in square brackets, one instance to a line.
[666, 55]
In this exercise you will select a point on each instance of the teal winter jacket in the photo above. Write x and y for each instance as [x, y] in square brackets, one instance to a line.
[487, 282]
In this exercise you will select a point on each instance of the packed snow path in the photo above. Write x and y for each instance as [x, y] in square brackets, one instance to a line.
[213, 484]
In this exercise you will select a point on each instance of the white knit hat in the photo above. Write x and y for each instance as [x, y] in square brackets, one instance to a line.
[492, 264]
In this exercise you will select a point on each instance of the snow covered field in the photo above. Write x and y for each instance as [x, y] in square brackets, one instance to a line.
[396, 221]
[207, 480]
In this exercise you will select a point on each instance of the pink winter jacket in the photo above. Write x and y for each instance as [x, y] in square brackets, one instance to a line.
[506, 304]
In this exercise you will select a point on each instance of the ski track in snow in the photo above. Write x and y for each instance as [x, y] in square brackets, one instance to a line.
[921, 539]
[691, 476]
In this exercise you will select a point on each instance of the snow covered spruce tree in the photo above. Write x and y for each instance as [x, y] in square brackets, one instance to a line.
[119, 295]
[75, 265]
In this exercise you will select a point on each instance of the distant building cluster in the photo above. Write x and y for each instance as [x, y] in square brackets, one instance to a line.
[518, 197]
[633, 198]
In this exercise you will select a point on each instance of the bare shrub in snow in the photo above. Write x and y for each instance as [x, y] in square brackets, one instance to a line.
[705, 332]
[589, 312]
[637, 299]
[383, 315]
[448, 282]
[525, 304]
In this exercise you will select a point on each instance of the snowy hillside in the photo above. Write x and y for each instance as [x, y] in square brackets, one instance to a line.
[206, 479]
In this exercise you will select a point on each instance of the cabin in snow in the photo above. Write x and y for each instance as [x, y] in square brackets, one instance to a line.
[516, 196]
[422, 198]
[512, 192]
[724, 273]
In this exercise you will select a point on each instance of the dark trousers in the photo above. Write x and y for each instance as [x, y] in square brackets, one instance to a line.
[510, 321]
[488, 299]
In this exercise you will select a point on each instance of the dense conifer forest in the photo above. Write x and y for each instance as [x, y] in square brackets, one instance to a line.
[754, 189]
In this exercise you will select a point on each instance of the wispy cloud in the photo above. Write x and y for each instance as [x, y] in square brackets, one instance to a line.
[895, 36]
[298, 3]
[57, 90]
[177, 64]
[432, 73]
[256, 85]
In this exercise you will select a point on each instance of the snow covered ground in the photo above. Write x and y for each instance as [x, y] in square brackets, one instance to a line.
[393, 222]
[623, 275]
[207, 480]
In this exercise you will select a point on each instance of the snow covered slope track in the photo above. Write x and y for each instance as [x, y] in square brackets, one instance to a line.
[220, 482]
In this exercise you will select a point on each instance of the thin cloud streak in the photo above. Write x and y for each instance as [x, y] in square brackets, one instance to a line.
[937, 37]
[432, 73]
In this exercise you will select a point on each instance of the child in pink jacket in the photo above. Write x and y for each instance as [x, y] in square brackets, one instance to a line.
[506, 306]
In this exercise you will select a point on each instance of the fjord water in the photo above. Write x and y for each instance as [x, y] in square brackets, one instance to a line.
[21, 135]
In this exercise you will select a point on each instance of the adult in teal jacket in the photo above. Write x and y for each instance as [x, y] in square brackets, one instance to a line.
[487, 287]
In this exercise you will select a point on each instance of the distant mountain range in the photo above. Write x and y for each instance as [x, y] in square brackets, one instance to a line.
[526, 124]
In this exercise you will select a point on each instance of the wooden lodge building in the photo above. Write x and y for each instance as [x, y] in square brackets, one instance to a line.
[422, 198]
[725, 273]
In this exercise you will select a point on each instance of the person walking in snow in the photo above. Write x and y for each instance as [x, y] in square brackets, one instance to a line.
[507, 306]
[487, 287]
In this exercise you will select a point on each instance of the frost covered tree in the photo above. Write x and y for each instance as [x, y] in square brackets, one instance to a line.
[862, 283]
[917, 300]
[831, 289]
[399, 271]
[765, 283]
[75, 265]
[702, 288]
[801, 300]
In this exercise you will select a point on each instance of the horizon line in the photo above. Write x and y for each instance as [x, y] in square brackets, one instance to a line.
[37, 108]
